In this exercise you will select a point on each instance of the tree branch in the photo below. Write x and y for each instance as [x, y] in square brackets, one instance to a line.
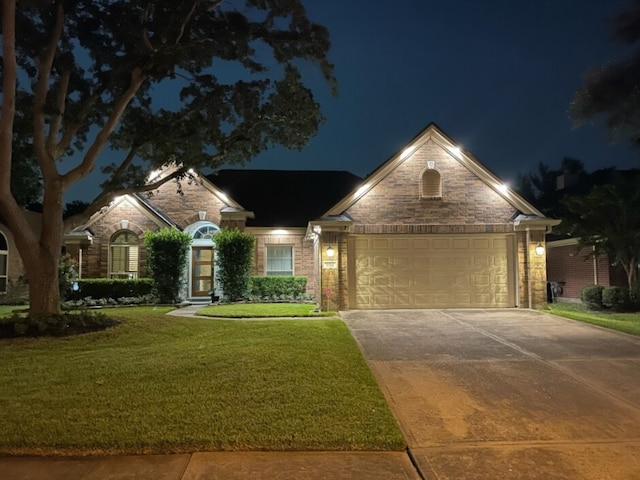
[126, 162]
[183, 25]
[89, 160]
[73, 128]
[45, 64]
[56, 122]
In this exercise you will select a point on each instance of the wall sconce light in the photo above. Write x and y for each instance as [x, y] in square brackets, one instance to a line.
[540, 250]
[330, 251]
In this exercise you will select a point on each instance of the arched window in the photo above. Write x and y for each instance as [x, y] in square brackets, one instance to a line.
[4, 263]
[124, 255]
[206, 232]
[431, 185]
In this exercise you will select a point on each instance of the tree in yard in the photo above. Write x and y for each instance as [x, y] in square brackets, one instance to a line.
[607, 220]
[167, 252]
[613, 91]
[541, 188]
[203, 82]
[234, 259]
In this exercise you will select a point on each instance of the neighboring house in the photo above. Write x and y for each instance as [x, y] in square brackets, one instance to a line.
[570, 270]
[430, 228]
[13, 280]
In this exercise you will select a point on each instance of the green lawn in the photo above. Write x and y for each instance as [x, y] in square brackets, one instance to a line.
[263, 310]
[158, 384]
[623, 322]
[8, 309]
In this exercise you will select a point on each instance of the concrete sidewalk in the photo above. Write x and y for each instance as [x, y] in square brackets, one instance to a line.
[216, 466]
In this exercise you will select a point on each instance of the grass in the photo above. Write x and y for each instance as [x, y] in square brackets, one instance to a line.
[8, 309]
[623, 322]
[161, 384]
[263, 310]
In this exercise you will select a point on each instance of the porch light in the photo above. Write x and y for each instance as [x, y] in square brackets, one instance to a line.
[330, 251]
[540, 250]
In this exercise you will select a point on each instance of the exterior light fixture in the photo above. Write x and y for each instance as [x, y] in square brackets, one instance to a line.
[330, 251]
[540, 250]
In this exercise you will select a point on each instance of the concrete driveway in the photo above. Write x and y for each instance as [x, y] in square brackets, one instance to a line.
[507, 394]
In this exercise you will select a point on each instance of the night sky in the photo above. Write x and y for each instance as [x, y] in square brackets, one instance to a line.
[496, 75]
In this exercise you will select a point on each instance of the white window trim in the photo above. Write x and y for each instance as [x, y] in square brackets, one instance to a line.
[127, 274]
[276, 245]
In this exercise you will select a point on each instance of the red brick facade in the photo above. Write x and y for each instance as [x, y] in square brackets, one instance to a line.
[389, 202]
[576, 269]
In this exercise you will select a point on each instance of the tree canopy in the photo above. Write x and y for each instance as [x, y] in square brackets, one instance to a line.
[612, 91]
[607, 220]
[201, 83]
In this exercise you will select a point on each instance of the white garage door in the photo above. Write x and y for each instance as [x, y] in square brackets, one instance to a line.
[431, 271]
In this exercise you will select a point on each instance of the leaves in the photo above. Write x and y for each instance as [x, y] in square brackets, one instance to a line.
[613, 91]
[607, 221]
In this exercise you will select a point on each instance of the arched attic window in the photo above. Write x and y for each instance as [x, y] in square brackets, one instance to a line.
[431, 184]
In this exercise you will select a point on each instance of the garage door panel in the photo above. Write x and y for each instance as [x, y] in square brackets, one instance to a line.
[428, 271]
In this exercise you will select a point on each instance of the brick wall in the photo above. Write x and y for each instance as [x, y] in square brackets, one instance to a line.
[531, 267]
[96, 256]
[567, 265]
[466, 199]
[183, 209]
[303, 255]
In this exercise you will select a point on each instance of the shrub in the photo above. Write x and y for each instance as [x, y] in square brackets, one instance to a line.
[234, 258]
[67, 276]
[112, 288]
[591, 296]
[277, 287]
[616, 298]
[167, 251]
[20, 325]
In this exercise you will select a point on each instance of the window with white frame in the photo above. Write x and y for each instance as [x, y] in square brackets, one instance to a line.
[124, 248]
[279, 260]
[4, 263]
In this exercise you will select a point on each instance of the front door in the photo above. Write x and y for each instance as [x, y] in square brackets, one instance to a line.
[201, 271]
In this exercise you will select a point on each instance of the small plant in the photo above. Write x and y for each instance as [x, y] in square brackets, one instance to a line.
[67, 276]
[617, 299]
[591, 296]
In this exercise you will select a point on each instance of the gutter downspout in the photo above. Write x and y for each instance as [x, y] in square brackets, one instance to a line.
[529, 290]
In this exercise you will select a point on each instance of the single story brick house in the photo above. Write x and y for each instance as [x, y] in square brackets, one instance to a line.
[430, 228]
[570, 270]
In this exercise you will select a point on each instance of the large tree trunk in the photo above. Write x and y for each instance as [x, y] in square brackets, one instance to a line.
[44, 289]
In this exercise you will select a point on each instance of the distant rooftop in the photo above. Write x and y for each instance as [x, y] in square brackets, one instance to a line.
[285, 198]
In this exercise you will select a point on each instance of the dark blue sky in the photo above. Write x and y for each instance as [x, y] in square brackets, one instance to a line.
[496, 75]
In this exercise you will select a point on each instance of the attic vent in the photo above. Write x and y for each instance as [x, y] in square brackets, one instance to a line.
[431, 186]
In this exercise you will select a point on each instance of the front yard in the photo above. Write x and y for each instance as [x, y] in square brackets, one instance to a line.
[157, 384]
[623, 322]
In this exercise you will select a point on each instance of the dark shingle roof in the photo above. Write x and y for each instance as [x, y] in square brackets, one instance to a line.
[285, 198]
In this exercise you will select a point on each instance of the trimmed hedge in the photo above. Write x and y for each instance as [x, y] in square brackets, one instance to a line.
[277, 286]
[112, 288]
[617, 299]
[591, 296]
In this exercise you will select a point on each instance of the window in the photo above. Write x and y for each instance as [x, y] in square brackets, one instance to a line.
[431, 184]
[4, 263]
[206, 232]
[124, 255]
[279, 260]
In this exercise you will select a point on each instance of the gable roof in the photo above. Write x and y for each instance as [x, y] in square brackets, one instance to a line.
[284, 198]
[434, 133]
